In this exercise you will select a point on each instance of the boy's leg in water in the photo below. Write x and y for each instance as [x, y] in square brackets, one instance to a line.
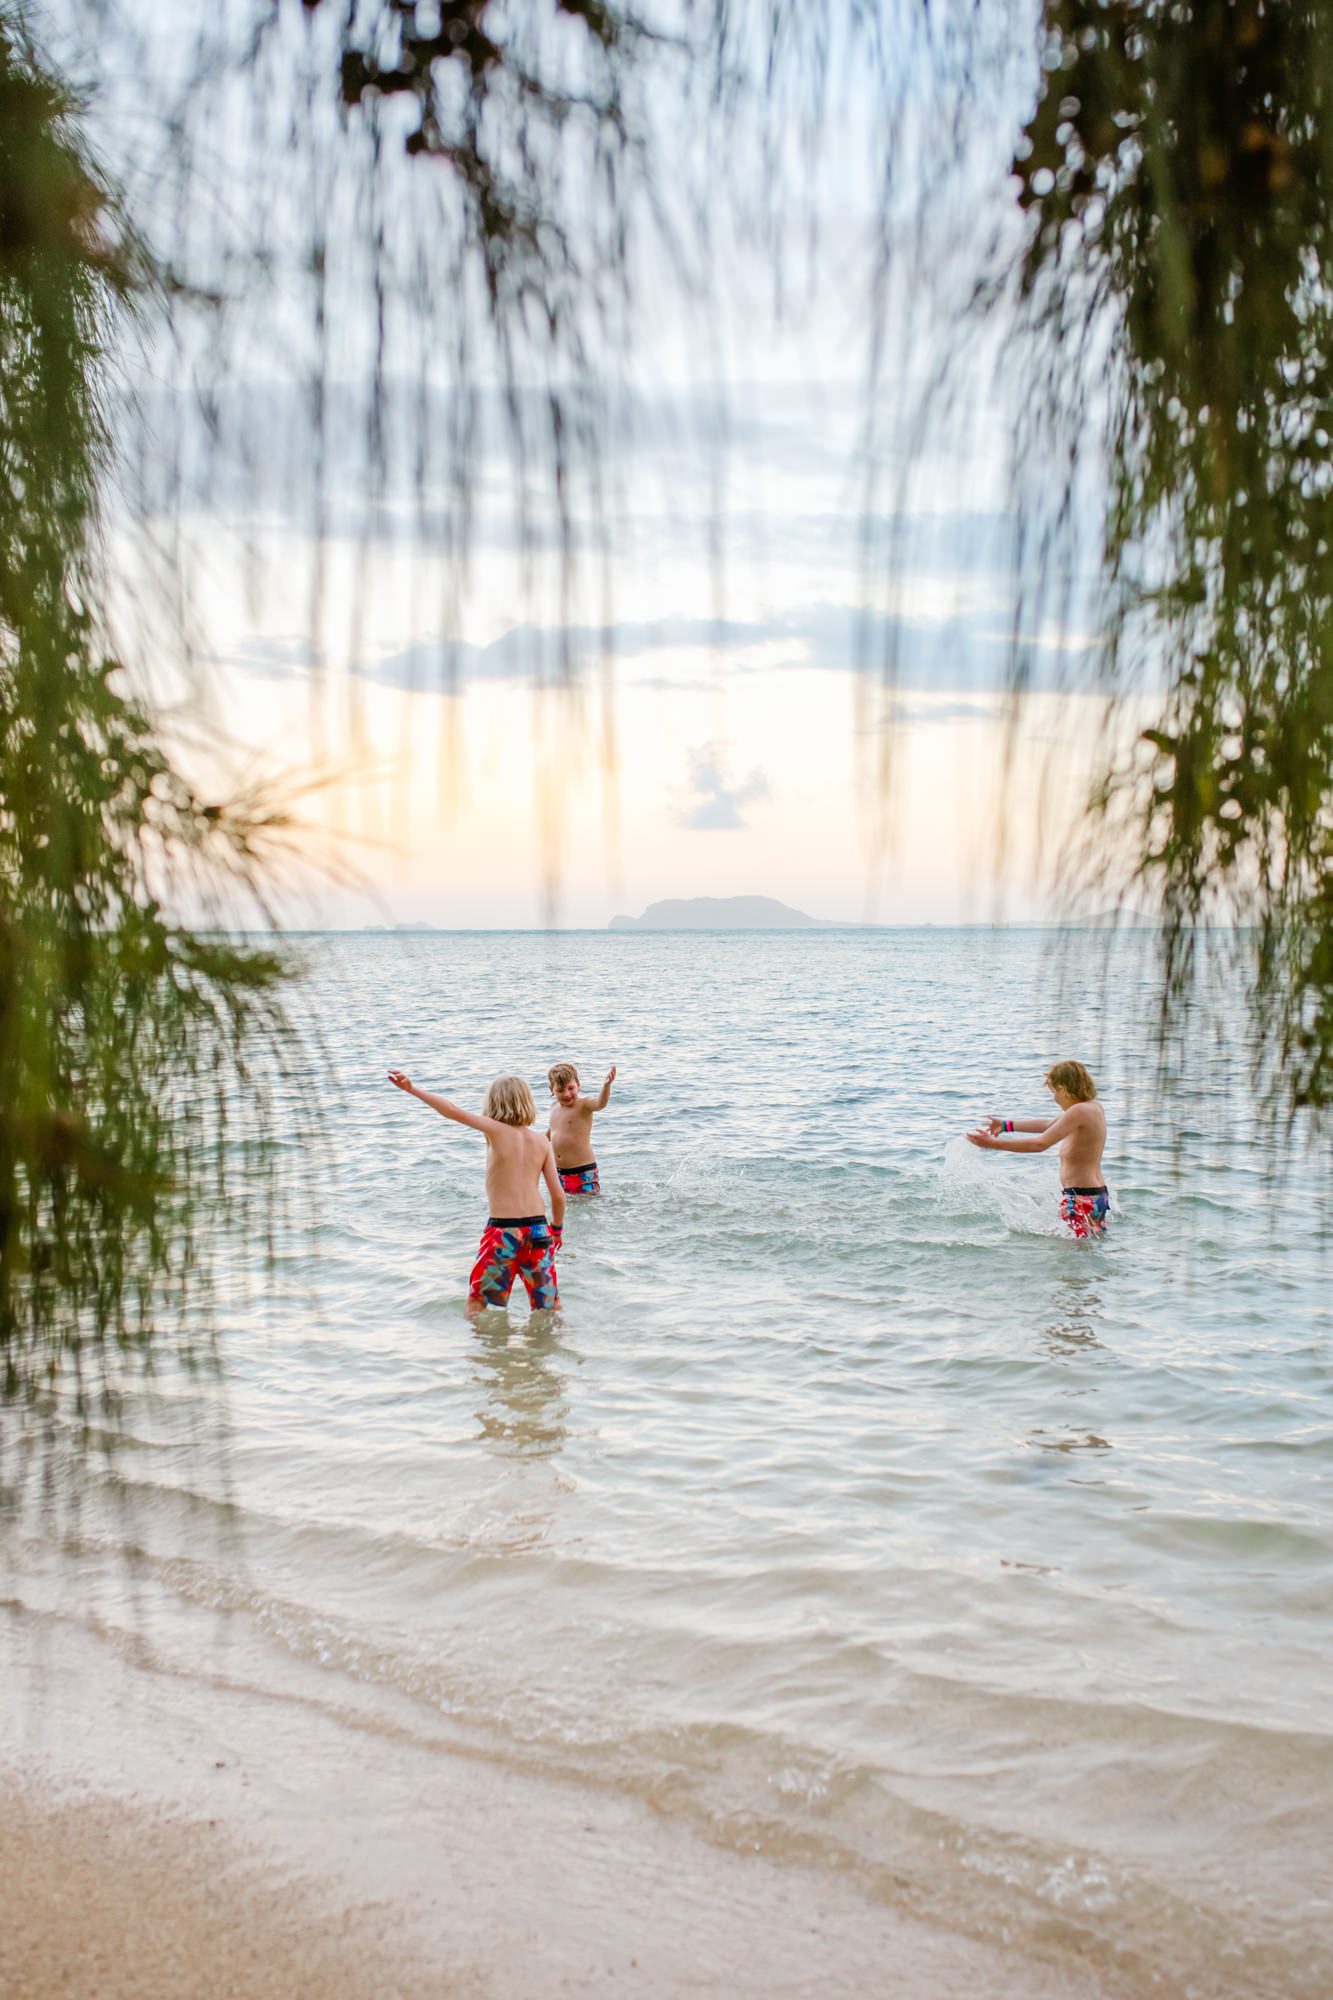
[493, 1273]
[536, 1267]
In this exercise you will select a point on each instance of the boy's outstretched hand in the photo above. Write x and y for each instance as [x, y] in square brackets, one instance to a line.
[401, 1082]
[984, 1133]
[611, 1074]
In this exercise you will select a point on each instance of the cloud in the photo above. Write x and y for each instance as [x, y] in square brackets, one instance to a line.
[272, 658]
[385, 455]
[716, 805]
[908, 714]
[546, 655]
[964, 655]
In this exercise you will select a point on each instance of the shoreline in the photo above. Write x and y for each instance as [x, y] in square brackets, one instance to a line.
[197, 1839]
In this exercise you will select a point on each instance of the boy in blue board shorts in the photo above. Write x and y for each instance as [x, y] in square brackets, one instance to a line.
[1079, 1130]
[570, 1127]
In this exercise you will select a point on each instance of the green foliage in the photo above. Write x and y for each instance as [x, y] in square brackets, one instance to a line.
[1178, 176]
[484, 107]
[124, 1032]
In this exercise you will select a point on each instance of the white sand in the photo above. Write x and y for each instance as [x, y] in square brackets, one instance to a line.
[164, 1837]
[104, 1898]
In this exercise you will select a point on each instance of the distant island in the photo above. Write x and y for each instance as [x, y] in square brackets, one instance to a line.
[722, 913]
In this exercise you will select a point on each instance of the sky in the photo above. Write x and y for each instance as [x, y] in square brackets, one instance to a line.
[755, 726]
[772, 655]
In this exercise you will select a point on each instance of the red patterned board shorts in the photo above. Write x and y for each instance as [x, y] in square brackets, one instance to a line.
[516, 1246]
[580, 1180]
[1085, 1210]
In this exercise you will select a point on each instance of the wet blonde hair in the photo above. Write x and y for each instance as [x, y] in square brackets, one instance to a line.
[560, 1074]
[1071, 1076]
[510, 1100]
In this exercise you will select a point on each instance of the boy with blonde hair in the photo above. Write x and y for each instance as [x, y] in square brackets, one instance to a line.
[1079, 1130]
[570, 1127]
[517, 1240]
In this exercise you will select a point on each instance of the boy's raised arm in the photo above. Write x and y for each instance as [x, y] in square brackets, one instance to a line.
[444, 1105]
[604, 1095]
[997, 1125]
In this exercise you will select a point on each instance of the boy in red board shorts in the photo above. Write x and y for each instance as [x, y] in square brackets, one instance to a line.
[570, 1127]
[517, 1241]
[1079, 1131]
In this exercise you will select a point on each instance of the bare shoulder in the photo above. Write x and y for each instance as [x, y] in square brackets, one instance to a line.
[515, 1139]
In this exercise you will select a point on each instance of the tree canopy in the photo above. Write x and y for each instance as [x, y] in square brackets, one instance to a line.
[126, 1032]
[1175, 175]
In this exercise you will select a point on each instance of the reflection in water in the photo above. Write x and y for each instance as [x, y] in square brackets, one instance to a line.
[1069, 1440]
[1076, 1315]
[524, 1413]
[1072, 1329]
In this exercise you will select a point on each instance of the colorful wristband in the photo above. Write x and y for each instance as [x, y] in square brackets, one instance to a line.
[1008, 1124]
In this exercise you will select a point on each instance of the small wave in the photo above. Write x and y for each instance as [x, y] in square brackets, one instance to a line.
[892, 1831]
[1023, 1198]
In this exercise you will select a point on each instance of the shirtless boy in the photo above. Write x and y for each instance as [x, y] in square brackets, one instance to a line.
[570, 1127]
[1079, 1131]
[517, 1240]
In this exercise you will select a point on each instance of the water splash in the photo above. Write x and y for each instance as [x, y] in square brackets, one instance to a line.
[1022, 1195]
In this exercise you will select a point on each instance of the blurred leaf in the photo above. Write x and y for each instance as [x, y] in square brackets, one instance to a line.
[126, 1036]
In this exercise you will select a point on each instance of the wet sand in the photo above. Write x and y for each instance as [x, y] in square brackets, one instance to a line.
[166, 1837]
[105, 1899]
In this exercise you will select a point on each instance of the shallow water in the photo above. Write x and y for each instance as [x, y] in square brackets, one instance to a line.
[848, 1509]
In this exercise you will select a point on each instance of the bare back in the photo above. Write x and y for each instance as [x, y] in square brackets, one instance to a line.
[515, 1157]
[1081, 1148]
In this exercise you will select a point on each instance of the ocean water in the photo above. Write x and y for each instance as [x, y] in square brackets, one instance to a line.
[848, 1510]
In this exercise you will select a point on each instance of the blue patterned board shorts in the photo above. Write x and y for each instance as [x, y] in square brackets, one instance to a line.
[516, 1246]
[1086, 1210]
[580, 1180]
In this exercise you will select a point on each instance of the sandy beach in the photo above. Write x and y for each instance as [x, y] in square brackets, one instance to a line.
[164, 1838]
[108, 1898]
